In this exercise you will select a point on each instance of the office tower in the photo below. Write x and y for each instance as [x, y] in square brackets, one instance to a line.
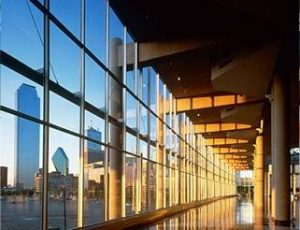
[93, 152]
[61, 161]
[28, 137]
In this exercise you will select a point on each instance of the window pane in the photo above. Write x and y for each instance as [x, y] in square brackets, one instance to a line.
[144, 149]
[152, 185]
[94, 84]
[161, 98]
[64, 113]
[20, 168]
[145, 85]
[115, 136]
[152, 154]
[64, 60]
[131, 111]
[94, 156]
[96, 123]
[21, 94]
[143, 121]
[63, 179]
[22, 32]
[95, 25]
[115, 97]
[130, 57]
[68, 12]
[153, 123]
[116, 41]
[130, 143]
[153, 90]
[144, 206]
[167, 186]
[130, 183]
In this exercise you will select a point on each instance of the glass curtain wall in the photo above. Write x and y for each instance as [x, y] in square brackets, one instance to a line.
[88, 133]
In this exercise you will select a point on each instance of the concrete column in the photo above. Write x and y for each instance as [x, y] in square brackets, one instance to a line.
[115, 171]
[266, 192]
[259, 181]
[160, 168]
[280, 155]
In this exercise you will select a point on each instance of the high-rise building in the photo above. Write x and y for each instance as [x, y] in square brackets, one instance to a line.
[28, 137]
[61, 161]
[93, 152]
[3, 176]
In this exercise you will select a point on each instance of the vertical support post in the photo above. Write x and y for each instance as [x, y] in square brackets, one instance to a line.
[124, 107]
[280, 154]
[139, 159]
[106, 169]
[259, 181]
[46, 119]
[81, 126]
[116, 133]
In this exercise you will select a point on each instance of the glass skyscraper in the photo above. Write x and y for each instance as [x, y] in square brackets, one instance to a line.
[61, 161]
[27, 139]
[93, 151]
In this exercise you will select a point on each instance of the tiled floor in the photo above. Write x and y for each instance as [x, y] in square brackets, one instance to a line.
[231, 213]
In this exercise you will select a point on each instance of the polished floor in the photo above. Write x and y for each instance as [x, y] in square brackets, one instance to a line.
[233, 213]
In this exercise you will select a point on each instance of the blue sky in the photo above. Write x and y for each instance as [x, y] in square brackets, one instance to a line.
[21, 37]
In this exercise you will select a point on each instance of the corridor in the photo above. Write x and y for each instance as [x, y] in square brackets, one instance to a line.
[232, 213]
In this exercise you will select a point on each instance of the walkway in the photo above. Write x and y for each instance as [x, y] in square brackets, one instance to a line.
[233, 213]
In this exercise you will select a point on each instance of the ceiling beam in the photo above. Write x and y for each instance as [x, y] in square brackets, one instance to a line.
[217, 127]
[198, 103]
[149, 51]
[224, 141]
[255, 68]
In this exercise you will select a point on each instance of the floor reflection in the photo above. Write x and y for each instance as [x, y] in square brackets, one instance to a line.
[233, 213]
[224, 214]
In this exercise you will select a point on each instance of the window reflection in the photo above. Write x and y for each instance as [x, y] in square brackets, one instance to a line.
[68, 12]
[20, 166]
[130, 184]
[94, 156]
[130, 143]
[116, 40]
[143, 121]
[95, 25]
[63, 179]
[96, 123]
[22, 32]
[130, 58]
[21, 94]
[65, 66]
[131, 105]
[61, 110]
[94, 84]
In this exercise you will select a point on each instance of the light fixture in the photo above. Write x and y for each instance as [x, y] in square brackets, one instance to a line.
[198, 114]
[178, 78]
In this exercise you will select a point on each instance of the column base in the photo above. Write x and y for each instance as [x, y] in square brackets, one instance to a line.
[282, 222]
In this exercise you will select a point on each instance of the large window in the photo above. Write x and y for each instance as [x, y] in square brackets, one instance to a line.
[22, 32]
[21, 160]
[104, 124]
